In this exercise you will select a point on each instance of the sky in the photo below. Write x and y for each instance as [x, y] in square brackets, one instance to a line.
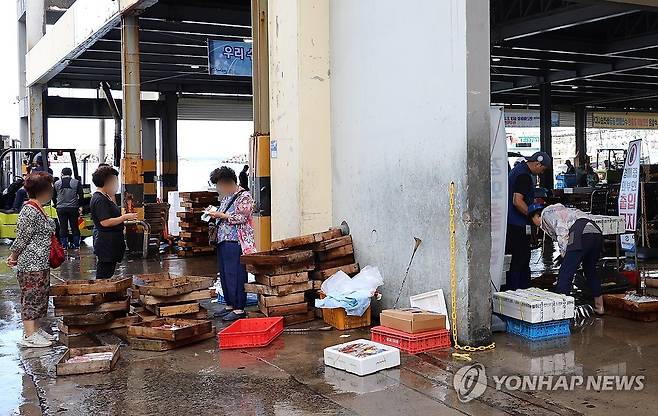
[197, 139]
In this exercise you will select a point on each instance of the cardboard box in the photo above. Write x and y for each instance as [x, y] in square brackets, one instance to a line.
[412, 320]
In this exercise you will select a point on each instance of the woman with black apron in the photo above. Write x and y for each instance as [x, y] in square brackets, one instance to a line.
[109, 243]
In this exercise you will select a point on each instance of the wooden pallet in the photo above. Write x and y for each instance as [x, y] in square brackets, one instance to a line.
[122, 305]
[78, 300]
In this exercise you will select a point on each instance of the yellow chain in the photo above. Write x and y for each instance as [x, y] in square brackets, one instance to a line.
[453, 285]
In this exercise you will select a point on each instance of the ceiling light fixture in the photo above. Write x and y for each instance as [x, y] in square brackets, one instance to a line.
[248, 40]
[195, 66]
[495, 59]
[574, 87]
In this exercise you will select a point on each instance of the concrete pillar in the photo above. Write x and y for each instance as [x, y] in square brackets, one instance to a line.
[581, 134]
[35, 24]
[132, 195]
[259, 143]
[168, 148]
[149, 155]
[408, 117]
[300, 116]
[545, 128]
[23, 107]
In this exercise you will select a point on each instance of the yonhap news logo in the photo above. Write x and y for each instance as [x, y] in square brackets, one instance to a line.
[470, 382]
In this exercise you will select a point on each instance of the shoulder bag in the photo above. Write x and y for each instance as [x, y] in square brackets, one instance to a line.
[212, 225]
[57, 256]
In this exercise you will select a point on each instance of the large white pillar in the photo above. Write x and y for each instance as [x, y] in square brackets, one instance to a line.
[35, 25]
[410, 115]
[300, 116]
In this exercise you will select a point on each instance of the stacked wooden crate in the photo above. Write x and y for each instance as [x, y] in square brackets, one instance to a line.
[91, 306]
[282, 278]
[287, 276]
[193, 231]
[165, 295]
[164, 334]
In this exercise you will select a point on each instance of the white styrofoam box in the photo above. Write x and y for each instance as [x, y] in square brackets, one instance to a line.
[432, 301]
[533, 305]
[564, 307]
[345, 382]
[531, 309]
[361, 357]
[610, 225]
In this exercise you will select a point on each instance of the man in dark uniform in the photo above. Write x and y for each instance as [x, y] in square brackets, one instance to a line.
[521, 194]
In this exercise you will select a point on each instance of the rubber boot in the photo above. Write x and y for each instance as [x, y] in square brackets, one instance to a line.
[76, 242]
[64, 241]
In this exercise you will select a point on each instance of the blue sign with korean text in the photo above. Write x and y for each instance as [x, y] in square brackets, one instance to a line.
[229, 58]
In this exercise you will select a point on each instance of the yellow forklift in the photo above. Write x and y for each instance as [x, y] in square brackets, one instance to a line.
[14, 165]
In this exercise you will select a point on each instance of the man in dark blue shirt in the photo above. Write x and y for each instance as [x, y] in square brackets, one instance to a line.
[521, 194]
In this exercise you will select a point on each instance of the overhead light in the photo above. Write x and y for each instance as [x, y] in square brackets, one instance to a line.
[574, 87]
[495, 59]
[195, 66]
[248, 40]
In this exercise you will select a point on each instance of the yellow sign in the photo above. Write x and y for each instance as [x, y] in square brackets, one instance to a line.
[624, 121]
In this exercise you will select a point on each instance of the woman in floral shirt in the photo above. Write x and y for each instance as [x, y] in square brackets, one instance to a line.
[30, 254]
[235, 236]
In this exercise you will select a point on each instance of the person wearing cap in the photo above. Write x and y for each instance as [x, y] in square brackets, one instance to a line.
[580, 241]
[521, 194]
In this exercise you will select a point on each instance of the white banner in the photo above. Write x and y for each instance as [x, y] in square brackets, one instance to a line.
[630, 183]
[499, 173]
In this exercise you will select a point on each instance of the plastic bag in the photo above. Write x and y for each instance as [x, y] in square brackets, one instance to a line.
[369, 279]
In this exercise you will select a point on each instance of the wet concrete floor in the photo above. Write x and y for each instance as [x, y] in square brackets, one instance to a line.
[289, 377]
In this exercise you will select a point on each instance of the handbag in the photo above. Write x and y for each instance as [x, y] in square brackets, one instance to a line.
[214, 223]
[56, 257]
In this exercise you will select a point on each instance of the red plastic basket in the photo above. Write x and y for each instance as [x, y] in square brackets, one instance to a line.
[250, 333]
[412, 343]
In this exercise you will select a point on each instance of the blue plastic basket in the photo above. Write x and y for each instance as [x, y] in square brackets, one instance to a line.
[252, 299]
[538, 331]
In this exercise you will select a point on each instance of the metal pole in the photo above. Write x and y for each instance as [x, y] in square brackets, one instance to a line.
[545, 125]
[581, 135]
[132, 194]
[101, 134]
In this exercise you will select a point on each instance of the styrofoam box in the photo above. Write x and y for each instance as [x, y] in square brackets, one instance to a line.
[384, 357]
[533, 305]
[432, 301]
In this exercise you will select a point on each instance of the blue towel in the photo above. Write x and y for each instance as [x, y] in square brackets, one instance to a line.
[354, 303]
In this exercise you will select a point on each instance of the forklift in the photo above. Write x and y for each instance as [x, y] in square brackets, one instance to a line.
[15, 163]
[610, 165]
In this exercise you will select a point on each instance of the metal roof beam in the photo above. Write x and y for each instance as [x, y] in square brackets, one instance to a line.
[218, 13]
[561, 19]
[583, 72]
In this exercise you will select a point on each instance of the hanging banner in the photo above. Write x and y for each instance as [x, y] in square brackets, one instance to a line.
[516, 118]
[229, 58]
[499, 172]
[624, 121]
[630, 184]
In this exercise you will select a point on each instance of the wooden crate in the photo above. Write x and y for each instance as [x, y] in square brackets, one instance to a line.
[78, 300]
[270, 301]
[306, 239]
[88, 319]
[281, 268]
[338, 318]
[116, 306]
[282, 290]
[92, 329]
[284, 310]
[162, 345]
[616, 305]
[331, 244]
[299, 318]
[174, 310]
[350, 269]
[175, 286]
[63, 368]
[335, 263]
[335, 253]
[275, 258]
[86, 287]
[165, 300]
[283, 279]
[183, 329]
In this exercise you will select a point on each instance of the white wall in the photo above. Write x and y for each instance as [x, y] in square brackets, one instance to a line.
[400, 103]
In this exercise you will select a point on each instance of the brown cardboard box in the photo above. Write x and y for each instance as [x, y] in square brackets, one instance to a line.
[412, 320]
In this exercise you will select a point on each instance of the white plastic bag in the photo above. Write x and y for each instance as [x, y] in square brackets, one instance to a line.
[369, 279]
